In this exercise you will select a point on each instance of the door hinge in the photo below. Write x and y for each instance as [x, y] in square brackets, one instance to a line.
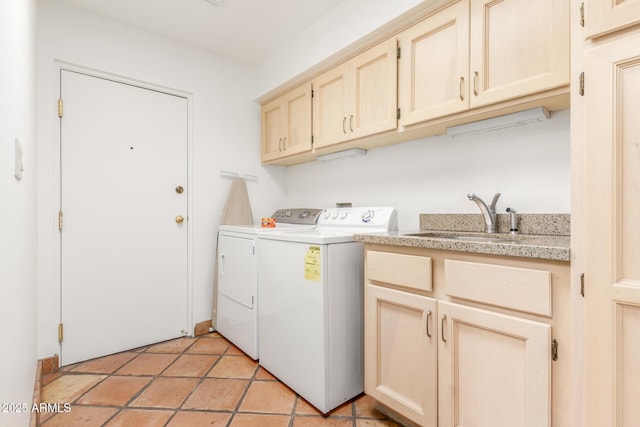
[554, 349]
[582, 285]
[398, 114]
[60, 219]
[582, 15]
[60, 332]
[581, 89]
[60, 108]
[399, 52]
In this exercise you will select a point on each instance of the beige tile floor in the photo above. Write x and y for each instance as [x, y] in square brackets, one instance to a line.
[203, 381]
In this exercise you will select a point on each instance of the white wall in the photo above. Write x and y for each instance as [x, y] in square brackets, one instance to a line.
[528, 165]
[18, 238]
[225, 135]
[346, 24]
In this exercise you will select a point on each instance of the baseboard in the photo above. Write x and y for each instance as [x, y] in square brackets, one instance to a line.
[202, 328]
[48, 365]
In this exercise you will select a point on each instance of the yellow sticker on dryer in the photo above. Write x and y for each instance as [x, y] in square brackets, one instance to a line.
[312, 264]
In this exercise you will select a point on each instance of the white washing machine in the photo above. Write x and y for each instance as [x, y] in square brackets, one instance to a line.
[311, 304]
[237, 314]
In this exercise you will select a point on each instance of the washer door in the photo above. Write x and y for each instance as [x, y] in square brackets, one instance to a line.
[237, 273]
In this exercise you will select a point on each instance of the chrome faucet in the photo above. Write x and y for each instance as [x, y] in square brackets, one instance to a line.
[514, 220]
[489, 213]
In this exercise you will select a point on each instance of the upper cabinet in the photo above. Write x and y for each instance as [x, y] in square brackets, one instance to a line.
[286, 124]
[467, 60]
[487, 52]
[603, 17]
[434, 66]
[518, 47]
[358, 98]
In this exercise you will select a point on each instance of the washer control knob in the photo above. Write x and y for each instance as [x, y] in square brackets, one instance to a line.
[305, 214]
[344, 215]
[334, 215]
[367, 216]
[326, 215]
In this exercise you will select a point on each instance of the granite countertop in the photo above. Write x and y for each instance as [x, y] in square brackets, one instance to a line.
[459, 232]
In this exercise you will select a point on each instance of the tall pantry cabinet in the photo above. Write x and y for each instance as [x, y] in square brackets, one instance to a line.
[611, 129]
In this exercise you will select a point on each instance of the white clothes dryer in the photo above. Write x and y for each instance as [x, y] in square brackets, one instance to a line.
[237, 310]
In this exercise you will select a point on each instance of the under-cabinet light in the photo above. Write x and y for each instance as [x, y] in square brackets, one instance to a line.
[353, 152]
[521, 118]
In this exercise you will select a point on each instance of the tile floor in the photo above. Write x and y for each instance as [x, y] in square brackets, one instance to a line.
[202, 381]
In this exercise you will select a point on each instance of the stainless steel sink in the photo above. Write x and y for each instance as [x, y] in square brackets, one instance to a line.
[468, 237]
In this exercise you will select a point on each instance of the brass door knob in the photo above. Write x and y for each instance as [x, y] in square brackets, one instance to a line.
[179, 219]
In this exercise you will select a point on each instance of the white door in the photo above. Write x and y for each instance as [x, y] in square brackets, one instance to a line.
[123, 247]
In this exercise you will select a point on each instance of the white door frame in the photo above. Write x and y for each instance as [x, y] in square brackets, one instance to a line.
[57, 279]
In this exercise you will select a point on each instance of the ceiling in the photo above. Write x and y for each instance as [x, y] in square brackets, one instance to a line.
[244, 31]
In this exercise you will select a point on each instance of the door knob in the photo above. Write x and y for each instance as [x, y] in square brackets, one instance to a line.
[179, 219]
[179, 189]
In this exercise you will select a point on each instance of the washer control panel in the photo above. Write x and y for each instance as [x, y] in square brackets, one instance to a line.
[385, 218]
[297, 216]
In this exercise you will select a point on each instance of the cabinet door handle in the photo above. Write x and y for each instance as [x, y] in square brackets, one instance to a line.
[280, 144]
[462, 88]
[444, 317]
[351, 123]
[475, 83]
[284, 144]
[344, 124]
[427, 323]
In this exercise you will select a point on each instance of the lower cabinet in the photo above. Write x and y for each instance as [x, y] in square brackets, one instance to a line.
[400, 352]
[449, 364]
[494, 370]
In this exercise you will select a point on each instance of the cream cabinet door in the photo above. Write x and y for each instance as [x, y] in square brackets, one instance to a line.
[297, 107]
[605, 16]
[612, 191]
[400, 352]
[518, 47]
[373, 100]
[494, 370]
[272, 129]
[434, 66]
[286, 124]
[331, 107]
